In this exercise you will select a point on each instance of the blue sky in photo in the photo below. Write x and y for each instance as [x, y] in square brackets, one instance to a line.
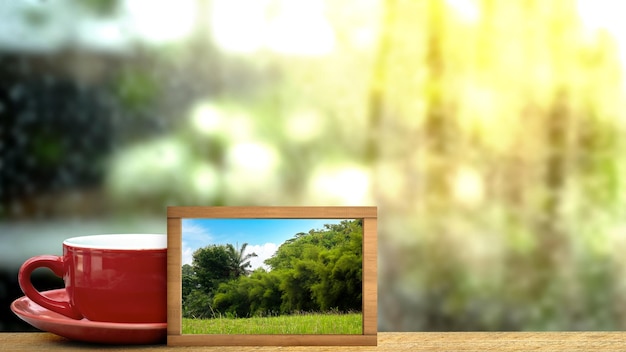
[263, 236]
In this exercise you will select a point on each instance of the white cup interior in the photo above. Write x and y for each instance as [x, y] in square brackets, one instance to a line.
[119, 241]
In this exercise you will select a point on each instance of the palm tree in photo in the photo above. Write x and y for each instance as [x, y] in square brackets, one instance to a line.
[239, 263]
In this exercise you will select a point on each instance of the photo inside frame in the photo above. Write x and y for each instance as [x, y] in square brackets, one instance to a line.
[272, 276]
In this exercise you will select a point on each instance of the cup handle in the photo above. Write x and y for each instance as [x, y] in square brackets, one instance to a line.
[54, 263]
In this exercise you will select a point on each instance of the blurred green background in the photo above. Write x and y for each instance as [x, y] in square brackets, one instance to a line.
[490, 134]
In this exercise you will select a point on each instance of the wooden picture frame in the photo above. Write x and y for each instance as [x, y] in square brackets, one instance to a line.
[175, 217]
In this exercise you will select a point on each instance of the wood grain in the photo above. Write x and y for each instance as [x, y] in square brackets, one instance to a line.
[273, 212]
[174, 276]
[387, 342]
[271, 340]
[370, 283]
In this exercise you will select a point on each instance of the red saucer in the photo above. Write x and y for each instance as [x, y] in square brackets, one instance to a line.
[86, 330]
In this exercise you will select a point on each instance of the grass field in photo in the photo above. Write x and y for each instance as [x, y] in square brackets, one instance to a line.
[304, 323]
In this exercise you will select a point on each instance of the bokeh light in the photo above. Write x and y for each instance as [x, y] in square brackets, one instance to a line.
[489, 134]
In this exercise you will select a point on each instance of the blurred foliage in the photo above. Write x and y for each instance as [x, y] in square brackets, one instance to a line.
[514, 159]
[136, 89]
[488, 133]
[102, 8]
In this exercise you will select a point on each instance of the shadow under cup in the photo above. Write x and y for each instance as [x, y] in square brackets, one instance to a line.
[109, 278]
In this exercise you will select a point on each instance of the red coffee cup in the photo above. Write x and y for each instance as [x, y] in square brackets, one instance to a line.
[108, 278]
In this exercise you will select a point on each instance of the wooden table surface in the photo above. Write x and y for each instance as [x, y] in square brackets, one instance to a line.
[387, 341]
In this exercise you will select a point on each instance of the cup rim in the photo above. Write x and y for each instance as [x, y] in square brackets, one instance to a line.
[129, 242]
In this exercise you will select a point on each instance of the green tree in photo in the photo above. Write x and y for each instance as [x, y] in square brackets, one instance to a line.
[189, 280]
[212, 265]
[322, 269]
[197, 304]
[296, 286]
[315, 271]
[246, 296]
[266, 292]
[232, 299]
[239, 263]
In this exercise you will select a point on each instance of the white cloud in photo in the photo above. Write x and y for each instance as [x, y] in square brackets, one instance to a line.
[187, 255]
[263, 252]
[194, 236]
